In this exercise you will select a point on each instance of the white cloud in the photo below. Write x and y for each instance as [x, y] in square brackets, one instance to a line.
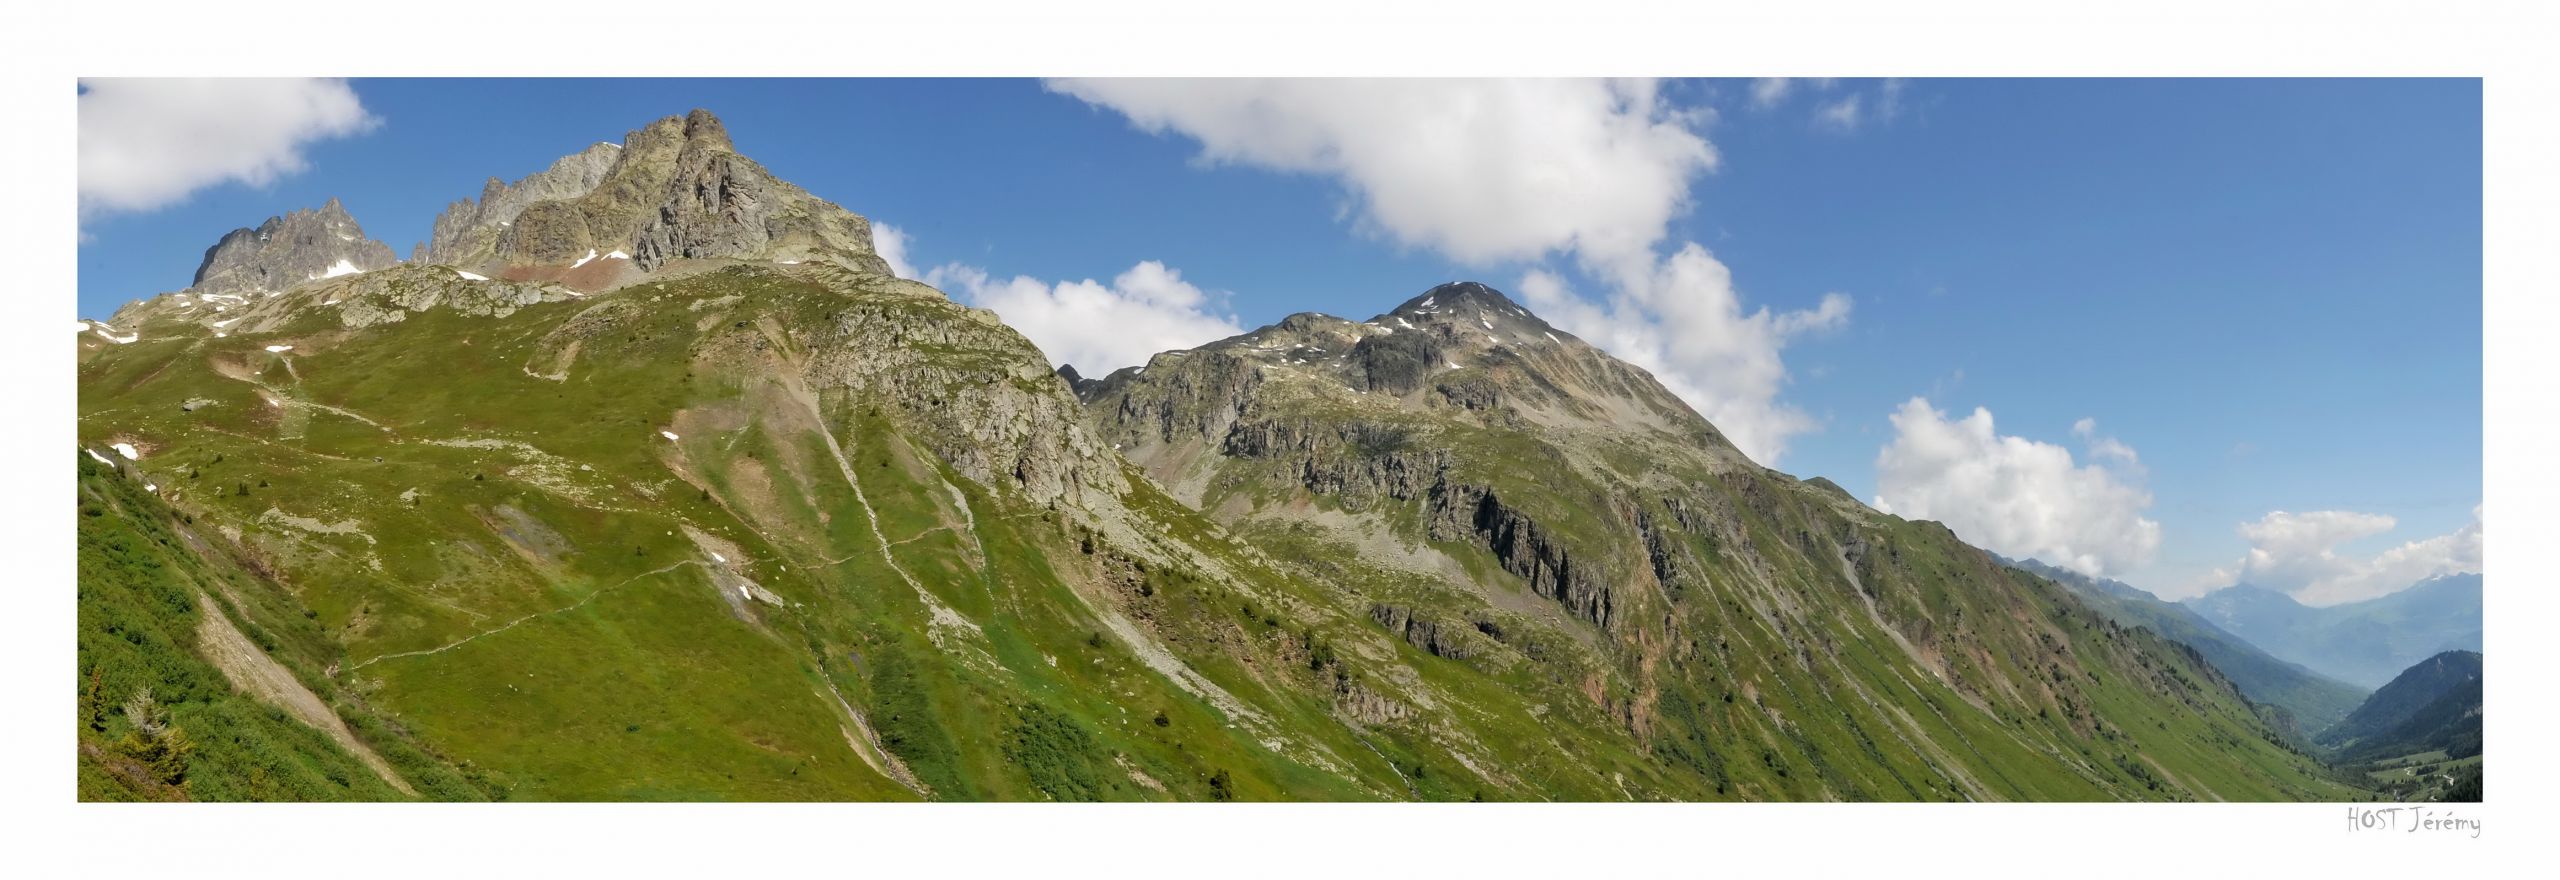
[1682, 320]
[891, 243]
[1767, 92]
[1856, 110]
[1496, 171]
[1841, 115]
[149, 143]
[2298, 554]
[1096, 327]
[2103, 447]
[1480, 170]
[2015, 496]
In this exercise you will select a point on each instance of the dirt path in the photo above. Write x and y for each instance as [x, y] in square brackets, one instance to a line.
[251, 670]
[512, 623]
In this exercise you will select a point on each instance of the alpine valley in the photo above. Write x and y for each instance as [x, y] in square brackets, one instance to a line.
[645, 479]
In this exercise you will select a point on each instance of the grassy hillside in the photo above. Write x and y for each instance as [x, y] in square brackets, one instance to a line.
[782, 532]
[159, 719]
[2311, 702]
[1517, 504]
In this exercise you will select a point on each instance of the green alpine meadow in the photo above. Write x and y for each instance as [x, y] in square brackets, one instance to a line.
[648, 479]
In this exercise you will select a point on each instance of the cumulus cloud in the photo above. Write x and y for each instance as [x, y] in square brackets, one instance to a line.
[1097, 327]
[1519, 171]
[2015, 496]
[1681, 320]
[1480, 170]
[149, 143]
[2298, 554]
[891, 243]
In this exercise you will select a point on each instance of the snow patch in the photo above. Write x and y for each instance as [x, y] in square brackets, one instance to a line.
[667, 434]
[591, 255]
[127, 450]
[279, 348]
[341, 267]
[617, 255]
[1552, 338]
[471, 276]
[94, 454]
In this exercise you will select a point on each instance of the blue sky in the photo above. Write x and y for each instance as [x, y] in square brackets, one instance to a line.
[2269, 290]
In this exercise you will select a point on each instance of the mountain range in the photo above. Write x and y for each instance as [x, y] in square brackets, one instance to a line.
[2365, 643]
[647, 480]
[2431, 706]
[2310, 700]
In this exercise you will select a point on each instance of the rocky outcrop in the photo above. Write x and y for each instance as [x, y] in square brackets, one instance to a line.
[720, 204]
[1357, 462]
[468, 230]
[300, 246]
[1076, 382]
[1421, 631]
[675, 189]
[976, 390]
[1397, 363]
[390, 297]
[1192, 394]
[1469, 513]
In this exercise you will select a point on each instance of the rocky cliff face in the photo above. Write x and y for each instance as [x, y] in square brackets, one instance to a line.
[466, 233]
[301, 246]
[676, 189]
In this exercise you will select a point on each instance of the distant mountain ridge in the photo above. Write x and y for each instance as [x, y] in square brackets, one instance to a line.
[2365, 643]
[2313, 700]
[2432, 706]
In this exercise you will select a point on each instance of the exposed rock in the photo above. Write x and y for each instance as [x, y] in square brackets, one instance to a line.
[675, 189]
[1466, 512]
[1083, 387]
[467, 231]
[1421, 631]
[300, 246]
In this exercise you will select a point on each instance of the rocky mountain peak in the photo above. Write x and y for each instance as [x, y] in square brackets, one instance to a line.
[286, 250]
[469, 228]
[1457, 296]
[700, 127]
[675, 189]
